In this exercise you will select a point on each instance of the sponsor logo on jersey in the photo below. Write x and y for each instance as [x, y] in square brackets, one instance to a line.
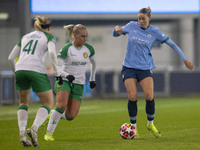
[78, 63]
[58, 85]
[139, 40]
[85, 55]
[73, 55]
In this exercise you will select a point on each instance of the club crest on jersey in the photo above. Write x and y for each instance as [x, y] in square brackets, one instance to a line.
[149, 35]
[58, 85]
[85, 55]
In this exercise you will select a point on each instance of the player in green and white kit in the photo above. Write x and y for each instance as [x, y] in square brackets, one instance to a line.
[73, 58]
[30, 72]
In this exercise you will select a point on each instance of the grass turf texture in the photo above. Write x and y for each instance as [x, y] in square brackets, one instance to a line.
[97, 126]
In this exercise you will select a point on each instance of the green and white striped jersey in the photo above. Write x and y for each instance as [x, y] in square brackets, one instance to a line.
[75, 60]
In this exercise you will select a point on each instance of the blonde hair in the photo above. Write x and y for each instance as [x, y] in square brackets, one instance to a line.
[146, 11]
[74, 29]
[42, 23]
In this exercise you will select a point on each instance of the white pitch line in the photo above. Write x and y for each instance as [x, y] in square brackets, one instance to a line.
[85, 110]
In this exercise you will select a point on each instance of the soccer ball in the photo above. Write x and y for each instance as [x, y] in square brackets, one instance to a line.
[127, 131]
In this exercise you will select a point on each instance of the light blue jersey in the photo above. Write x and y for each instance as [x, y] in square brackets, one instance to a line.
[140, 44]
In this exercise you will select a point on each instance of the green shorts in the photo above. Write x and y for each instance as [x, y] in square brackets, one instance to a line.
[75, 90]
[27, 79]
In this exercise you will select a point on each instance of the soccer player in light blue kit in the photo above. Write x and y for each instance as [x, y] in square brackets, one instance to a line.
[138, 63]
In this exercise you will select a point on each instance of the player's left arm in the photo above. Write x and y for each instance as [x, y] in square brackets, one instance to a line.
[92, 66]
[175, 47]
[53, 56]
[64, 74]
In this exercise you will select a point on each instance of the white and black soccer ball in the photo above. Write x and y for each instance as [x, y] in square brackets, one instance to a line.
[127, 131]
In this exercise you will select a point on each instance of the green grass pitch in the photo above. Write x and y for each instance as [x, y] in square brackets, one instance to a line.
[97, 126]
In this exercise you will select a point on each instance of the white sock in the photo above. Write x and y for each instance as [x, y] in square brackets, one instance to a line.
[22, 116]
[150, 122]
[63, 116]
[40, 118]
[134, 124]
[53, 121]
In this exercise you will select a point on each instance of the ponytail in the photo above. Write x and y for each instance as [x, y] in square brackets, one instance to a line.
[41, 23]
[74, 29]
[70, 29]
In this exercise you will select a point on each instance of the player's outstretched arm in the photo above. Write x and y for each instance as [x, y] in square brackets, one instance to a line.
[175, 47]
[117, 31]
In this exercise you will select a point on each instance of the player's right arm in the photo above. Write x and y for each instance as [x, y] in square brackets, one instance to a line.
[62, 55]
[117, 31]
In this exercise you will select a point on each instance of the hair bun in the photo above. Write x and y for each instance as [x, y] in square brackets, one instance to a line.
[148, 9]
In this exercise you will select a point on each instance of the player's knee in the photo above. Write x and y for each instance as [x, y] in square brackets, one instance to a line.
[149, 97]
[132, 97]
[70, 119]
[71, 116]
